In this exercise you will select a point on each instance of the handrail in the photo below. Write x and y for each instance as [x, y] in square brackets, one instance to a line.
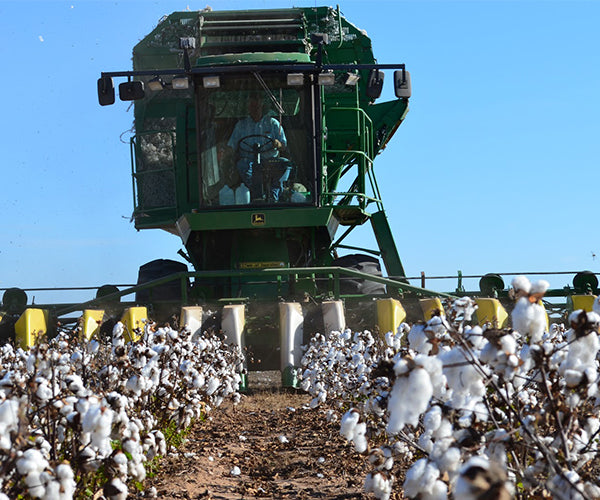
[328, 272]
[414, 278]
[324, 273]
[364, 155]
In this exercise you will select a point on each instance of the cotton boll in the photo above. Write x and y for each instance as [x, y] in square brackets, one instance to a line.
[43, 392]
[402, 366]
[93, 346]
[465, 381]
[436, 327]
[53, 491]
[115, 490]
[32, 461]
[475, 336]
[138, 472]
[378, 484]
[529, 319]
[401, 449]
[464, 308]
[348, 423]
[31, 362]
[438, 492]
[212, 385]
[382, 458]
[117, 335]
[418, 341]
[449, 461]
[35, 484]
[66, 479]
[75, 385]
[434, 367]
[521, 284]
[320, 398]
[508, 344]
[359, 437]
[394, 341]
[9, 420]
[573, 377]
[409, 398]
[581, 360]
[426, 442]
[432, 419]
[120, 461]
[539, 287]
[161, 442]
[420, 478]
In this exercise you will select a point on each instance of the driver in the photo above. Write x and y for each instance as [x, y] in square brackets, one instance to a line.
[257, 136]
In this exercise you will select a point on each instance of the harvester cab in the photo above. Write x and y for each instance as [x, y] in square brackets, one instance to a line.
[255, 137]
[247, 124]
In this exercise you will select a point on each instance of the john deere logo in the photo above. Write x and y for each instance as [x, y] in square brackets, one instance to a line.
[258, 219]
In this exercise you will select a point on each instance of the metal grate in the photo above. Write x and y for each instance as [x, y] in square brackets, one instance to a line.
[260, 31]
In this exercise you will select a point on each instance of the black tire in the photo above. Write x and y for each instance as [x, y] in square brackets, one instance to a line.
[156, 269]
[365, 264]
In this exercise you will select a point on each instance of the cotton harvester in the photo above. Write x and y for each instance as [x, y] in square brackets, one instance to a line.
[259, 209]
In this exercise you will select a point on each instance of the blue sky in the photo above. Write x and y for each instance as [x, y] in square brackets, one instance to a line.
[493, 170]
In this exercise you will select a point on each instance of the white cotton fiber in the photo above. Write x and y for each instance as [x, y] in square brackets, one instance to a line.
[409, 398]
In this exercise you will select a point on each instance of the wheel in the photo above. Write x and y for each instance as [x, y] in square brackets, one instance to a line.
[245, 145]
[14, 300]
[585, 281]
[154, 270]
[357, 286]
[490, 284]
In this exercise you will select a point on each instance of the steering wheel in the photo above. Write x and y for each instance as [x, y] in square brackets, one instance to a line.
[246, 145]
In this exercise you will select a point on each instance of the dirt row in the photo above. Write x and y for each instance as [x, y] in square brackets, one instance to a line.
[271, 445]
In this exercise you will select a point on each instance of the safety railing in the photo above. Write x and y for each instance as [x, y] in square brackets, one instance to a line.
[330, 277]
[359, 128]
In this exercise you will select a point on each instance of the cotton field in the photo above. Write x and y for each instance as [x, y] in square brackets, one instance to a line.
[476, 412]
[438, 410]
[82, 418]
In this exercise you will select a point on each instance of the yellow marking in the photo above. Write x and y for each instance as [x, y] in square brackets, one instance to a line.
[261, 265]
[258, 219]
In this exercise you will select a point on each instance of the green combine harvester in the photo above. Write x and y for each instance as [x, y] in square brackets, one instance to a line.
[255, 139]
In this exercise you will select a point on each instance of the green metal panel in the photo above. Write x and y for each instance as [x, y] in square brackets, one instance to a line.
[385, 240]
[256, 218]
[386, 118]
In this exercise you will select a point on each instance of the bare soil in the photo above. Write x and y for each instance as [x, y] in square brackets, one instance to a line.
[283, 449]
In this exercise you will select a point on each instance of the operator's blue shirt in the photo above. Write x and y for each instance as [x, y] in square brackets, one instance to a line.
[267, 126]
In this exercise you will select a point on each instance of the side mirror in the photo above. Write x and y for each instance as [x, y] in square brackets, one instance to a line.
[106, 91]
[375, 84]
[402, 86]
[131, 91]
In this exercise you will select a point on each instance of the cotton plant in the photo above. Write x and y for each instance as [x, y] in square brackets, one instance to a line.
[579, 365]
[102, 406]
[529, 316]
[335, 366]
[474, 409]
